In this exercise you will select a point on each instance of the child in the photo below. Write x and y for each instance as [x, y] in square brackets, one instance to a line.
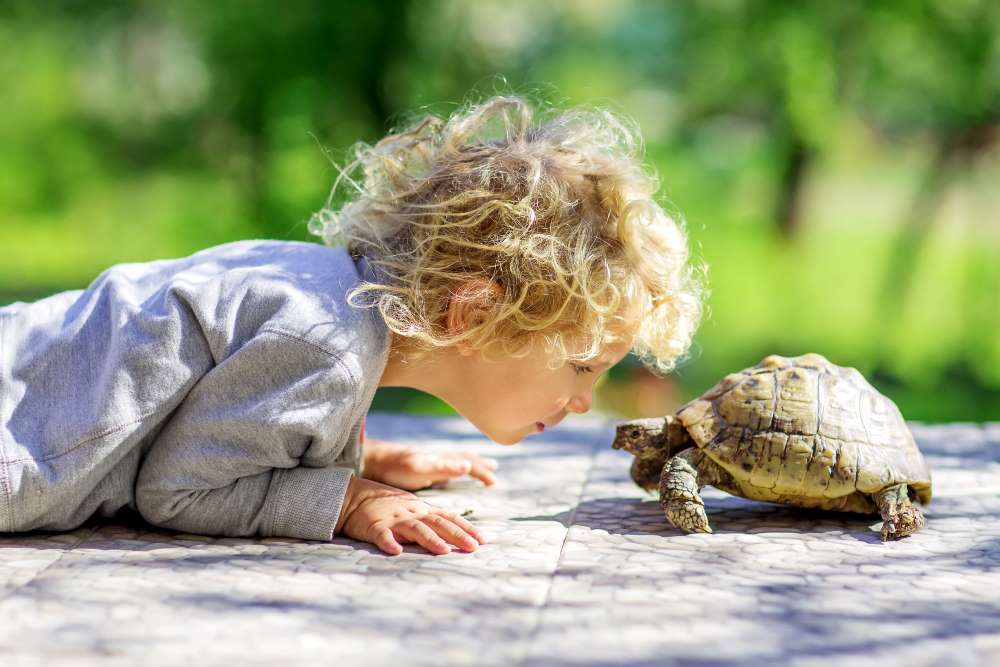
[224, 393]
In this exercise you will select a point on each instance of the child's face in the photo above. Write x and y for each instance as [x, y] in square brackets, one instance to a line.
[506, 400]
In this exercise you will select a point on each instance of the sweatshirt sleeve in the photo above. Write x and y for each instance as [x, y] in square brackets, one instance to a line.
[247, 451]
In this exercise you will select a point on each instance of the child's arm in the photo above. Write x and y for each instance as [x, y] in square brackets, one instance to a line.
[228, 461]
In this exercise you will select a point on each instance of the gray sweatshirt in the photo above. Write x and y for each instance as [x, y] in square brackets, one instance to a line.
[221, 393]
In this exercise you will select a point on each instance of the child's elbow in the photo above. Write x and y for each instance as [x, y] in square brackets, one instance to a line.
[160, 507]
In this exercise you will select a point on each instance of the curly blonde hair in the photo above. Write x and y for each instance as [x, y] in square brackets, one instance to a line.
[559, 214]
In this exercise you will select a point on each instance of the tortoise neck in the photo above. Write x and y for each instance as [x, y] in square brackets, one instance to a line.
[675, 437]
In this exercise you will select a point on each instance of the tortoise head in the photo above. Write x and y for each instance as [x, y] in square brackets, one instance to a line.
[641, 437]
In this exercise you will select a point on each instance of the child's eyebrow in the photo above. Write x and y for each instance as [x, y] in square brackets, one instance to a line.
[599, 363]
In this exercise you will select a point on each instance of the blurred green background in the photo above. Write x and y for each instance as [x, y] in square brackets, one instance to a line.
[836, 163]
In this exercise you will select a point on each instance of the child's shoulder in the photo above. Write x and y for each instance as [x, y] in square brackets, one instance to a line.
[303, 288]
[290, 268]
[278, 253]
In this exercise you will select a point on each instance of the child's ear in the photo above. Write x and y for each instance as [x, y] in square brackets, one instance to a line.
[469, 301]
[467, 305]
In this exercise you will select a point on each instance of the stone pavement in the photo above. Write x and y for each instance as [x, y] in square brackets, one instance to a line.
[580, 568]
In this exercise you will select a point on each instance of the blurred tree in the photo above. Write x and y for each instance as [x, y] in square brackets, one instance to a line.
[224, 87]
[931, 69]
[776, 64]
[308, 61]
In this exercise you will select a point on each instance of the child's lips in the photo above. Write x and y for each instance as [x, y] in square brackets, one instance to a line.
[539, 427]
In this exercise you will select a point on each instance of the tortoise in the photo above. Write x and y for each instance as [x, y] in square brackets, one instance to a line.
[795, 430]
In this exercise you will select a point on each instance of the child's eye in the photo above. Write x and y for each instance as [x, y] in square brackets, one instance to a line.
[582, 369]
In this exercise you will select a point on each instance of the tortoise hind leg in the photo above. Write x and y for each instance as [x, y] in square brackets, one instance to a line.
[679, 492]
[900, 517]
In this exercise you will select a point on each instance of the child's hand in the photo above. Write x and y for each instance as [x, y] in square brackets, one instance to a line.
[386, 516]
[409, 469]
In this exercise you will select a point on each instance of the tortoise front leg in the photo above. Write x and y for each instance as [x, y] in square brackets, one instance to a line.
[899, 516]
[679, 492]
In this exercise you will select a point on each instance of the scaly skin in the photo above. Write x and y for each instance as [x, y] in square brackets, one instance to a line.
[679, 493]
[900, 517]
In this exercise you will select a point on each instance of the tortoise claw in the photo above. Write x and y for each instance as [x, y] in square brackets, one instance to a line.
[903, 523]
[688, 515]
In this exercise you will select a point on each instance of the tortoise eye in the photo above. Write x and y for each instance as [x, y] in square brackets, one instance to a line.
[635, 433]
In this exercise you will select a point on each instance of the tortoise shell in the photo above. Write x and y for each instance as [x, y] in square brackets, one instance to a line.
[804, 431]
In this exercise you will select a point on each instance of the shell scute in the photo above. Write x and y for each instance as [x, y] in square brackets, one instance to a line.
[770, 446]
[749, 403]
[792, 474]
[701, 421]
[797, 397]
[841, 409]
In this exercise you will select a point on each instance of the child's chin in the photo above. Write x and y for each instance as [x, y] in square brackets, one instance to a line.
[508, 439]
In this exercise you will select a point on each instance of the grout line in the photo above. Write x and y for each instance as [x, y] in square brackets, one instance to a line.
[65, 550]
[533, 634]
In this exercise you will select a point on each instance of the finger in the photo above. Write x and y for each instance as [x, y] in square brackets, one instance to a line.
[425, 537]
[482, 474]
[490, 463]
[463, 523]
[455, 467]
[385, 541]
[444, 470]
[451, 532]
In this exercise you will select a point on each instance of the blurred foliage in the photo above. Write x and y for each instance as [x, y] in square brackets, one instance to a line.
[835, 163]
